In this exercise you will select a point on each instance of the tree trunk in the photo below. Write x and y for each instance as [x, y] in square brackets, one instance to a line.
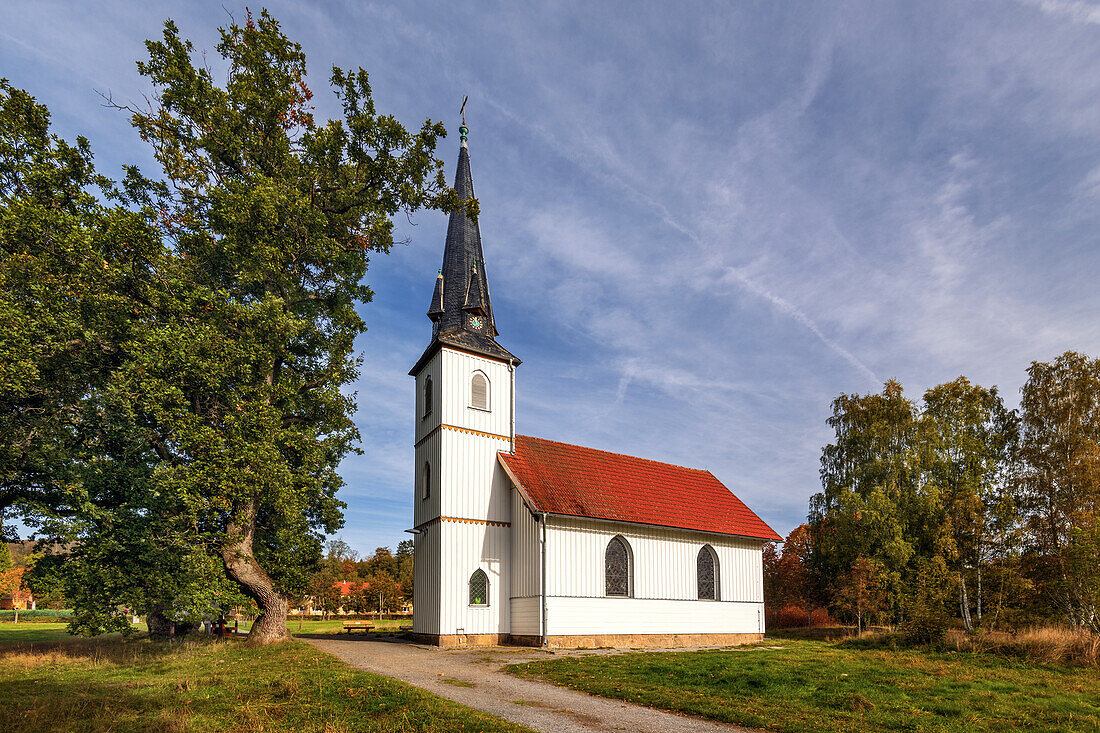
[241, 564]
[964, 605]
[979, 598]
[162, 626]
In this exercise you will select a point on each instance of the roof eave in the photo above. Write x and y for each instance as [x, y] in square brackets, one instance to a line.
[755, 538]
[437, 344]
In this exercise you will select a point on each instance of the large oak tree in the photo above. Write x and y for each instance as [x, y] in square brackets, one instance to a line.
[271, 218]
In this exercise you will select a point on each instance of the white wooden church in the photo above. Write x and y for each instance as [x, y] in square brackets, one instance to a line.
[529, 541]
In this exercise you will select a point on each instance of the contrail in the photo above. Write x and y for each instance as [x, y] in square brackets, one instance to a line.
[732, 274]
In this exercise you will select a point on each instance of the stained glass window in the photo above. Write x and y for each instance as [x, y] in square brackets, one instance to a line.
[707, 569]
[617, 568]
[479, 589]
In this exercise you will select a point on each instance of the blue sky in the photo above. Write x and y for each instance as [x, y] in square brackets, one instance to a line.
[701, 224]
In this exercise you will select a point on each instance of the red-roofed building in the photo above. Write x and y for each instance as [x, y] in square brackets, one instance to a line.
[525, 540]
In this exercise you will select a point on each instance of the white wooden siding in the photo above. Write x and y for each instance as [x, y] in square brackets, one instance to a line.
[454, 393]
[573, 616]
[663, 561]
[525, 616]
[473, 484]
[526, 565]
[424, 424]
[429, 451]
[465, 548]
[468, 485]
[426, 561]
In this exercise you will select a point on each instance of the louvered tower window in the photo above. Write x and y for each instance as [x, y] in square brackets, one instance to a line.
[707, 571]
[479, 391]
[427, 396]
[617, 570]
[479, 589]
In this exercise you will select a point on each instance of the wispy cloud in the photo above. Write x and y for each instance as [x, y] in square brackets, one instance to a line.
[699, 226]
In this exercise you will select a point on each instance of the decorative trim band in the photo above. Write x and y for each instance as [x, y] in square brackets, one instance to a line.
[468, 431]
[471, 431]
[462, 520]
[486, 522]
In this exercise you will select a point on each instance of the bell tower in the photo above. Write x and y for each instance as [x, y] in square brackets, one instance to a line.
[464, 416]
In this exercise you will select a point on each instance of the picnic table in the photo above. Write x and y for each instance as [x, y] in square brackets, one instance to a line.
[350, 626]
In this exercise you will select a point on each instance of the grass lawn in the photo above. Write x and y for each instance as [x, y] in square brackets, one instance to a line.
[52, 682]
[813, 685]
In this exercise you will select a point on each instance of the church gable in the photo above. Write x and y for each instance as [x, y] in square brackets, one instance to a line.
[571, 480]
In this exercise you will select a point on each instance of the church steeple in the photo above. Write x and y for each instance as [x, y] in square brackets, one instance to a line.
[461, 310]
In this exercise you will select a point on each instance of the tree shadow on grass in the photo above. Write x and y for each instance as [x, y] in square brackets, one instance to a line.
[40, 704]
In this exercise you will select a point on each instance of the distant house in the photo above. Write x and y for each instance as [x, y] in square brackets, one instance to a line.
[20, 601]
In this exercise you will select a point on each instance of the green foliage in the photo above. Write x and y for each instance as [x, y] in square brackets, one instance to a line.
[174, 377]
[272, 217]
[74, 285]
[920, 491]
[1058, 482]
[926, 627]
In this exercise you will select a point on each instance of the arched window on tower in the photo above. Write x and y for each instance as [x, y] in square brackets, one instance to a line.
[427, 396]
[479, 391]
[706, 569]
[618, 569]
[426, 479]
[479, 589]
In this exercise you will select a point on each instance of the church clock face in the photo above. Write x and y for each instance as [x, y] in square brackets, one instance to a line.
[476, 322]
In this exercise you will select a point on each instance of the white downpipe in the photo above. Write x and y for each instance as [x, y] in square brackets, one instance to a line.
[512, 405]
[542, 583]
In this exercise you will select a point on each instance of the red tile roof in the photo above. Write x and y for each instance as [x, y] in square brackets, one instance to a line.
[583, 482]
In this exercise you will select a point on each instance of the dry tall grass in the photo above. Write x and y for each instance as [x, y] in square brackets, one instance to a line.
[1054, 644]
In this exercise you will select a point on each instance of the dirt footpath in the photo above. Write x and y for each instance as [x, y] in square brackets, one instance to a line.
[474, 677]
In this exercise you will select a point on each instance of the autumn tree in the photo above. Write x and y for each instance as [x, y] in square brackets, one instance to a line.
[405, 569]
[382, 593]
[869, 506]
[795, 571]
[1058, 480]
[862, 590]
[968, 439]
[271, 217]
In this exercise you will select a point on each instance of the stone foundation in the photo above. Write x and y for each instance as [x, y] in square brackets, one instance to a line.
[593, 641]
[589, 641]
[452, 640]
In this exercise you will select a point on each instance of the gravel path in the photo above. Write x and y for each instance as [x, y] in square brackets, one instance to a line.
[474, 677]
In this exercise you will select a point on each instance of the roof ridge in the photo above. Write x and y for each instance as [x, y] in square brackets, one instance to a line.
[621, 455]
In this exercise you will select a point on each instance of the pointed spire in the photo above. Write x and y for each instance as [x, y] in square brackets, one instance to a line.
[461, 309]
[436, 308]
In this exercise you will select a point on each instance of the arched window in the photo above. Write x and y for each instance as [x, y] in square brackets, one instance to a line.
[427, 396]
[618, 571]
[479, 589]
[706, 569]
[426, 487]
[479, 391]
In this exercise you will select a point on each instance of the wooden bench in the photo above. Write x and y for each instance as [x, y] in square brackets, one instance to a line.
[405, 628]
[350, 626]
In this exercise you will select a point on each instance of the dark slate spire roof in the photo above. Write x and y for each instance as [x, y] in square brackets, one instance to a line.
[462, 290]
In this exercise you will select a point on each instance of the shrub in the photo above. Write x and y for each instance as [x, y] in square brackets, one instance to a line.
[1052, 644]
[790, 617]
[926, 628]
[50, 615]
